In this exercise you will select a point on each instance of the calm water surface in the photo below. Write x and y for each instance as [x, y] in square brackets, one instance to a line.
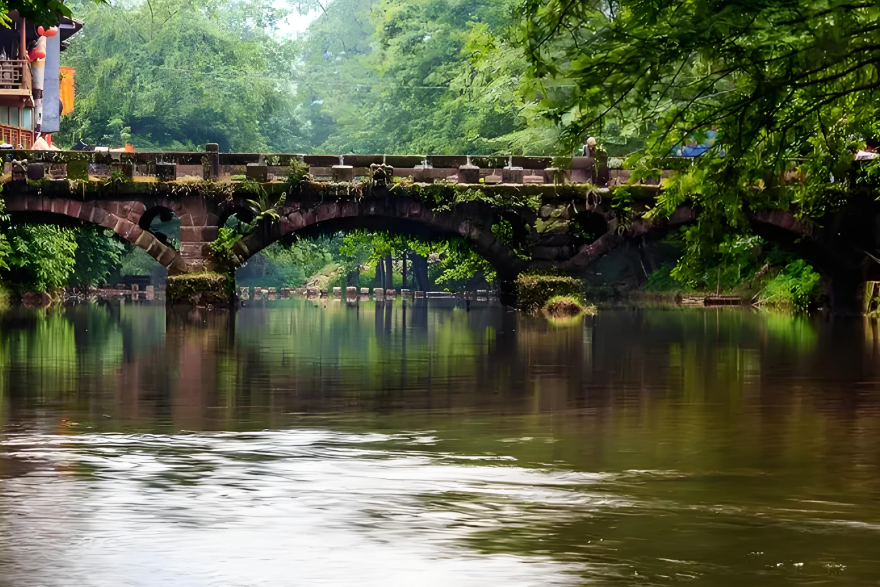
[294, 444]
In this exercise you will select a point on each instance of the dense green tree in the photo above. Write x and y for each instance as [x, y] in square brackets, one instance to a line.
[41, 257]
[784, 85]
[99, 253]
[417, 76]
[176, 75]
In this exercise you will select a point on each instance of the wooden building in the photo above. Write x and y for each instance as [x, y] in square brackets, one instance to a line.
[21, 95]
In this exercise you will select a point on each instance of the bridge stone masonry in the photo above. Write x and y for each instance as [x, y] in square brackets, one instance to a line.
[520, 213]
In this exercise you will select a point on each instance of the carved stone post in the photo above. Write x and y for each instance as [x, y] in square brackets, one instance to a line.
[213, 170]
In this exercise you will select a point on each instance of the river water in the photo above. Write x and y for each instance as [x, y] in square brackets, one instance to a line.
[296, 443]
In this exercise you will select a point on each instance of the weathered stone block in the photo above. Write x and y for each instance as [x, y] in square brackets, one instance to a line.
[59, 206]
[468, 174]
[512, 175]
[74, 208]
[326, 212]
[258, 172]
[343, 173]
[296, 221]
[198, 234]
[166, 256]
[348, 209]
[166, 171]
[35, 171]
[58, 170]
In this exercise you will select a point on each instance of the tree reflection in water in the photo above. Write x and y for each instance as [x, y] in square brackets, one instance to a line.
[483, 446]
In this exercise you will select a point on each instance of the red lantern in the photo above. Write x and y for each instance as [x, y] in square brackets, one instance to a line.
[50, 33]
[36, 53]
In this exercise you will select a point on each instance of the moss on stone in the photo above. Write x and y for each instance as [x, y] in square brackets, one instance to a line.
[567, 307]
[201, 289]
[78, 170]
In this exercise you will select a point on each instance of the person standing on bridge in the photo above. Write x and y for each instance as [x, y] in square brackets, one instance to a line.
[591, 149]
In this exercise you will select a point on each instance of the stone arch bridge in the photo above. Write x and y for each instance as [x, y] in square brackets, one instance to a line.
[520, 213]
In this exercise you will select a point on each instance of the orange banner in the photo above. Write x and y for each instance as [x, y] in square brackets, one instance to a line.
[66, 89]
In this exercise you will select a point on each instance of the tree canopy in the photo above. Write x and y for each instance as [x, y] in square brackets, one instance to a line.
[782, 86]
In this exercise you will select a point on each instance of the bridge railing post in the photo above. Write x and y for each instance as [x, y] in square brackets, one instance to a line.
[212, 171]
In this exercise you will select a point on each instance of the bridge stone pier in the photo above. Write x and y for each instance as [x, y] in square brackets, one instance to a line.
[520, 213]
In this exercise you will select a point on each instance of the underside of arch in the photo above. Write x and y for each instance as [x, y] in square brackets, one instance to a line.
[470, 221]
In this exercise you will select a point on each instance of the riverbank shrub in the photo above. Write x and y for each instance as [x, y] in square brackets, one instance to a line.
[534, 290]
[41, 257]
[796, 288]
[567, 307]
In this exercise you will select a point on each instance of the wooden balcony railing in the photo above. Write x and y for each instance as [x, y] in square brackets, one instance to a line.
[13, 77]
[16, 136]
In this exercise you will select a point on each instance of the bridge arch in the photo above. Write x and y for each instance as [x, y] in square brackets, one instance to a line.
[122, 217]
[840, 261]
[472, 221]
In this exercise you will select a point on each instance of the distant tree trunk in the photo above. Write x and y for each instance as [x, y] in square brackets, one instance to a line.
[354, 277]
[419, 270]
[380, 273]
[403, 272]
[389, 273]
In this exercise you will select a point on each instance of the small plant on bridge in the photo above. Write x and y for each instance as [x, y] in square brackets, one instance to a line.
[298, 173]
[117, 178]
[260, 203]
[222, 250]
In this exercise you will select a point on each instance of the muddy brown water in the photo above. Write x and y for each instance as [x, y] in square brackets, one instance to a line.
[295, 443]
